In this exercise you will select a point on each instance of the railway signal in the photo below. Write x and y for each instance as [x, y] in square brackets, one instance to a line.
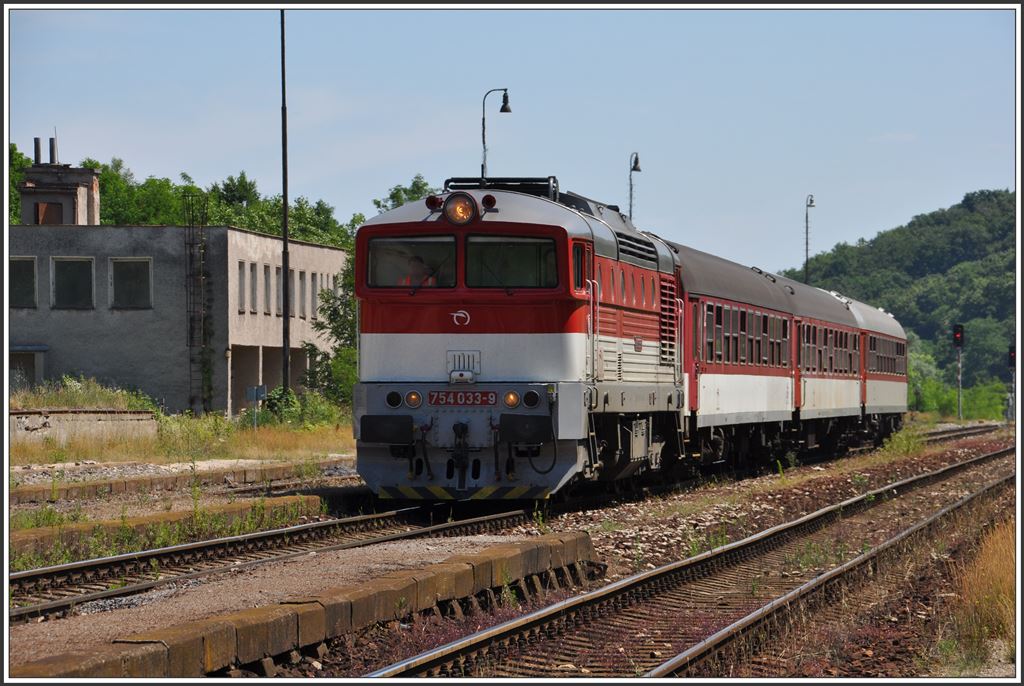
[958, 343]
[1012, 357]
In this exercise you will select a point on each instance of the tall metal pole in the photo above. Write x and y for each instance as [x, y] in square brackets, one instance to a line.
[808, 204]
[959, 375]
[285, 272]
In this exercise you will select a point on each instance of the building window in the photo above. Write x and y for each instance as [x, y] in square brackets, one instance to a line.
[131, 283]
[49, 213]
[302, 294]
[241, 287]
[72, 283]
[22, 282]
[280, 290]
[266, 289]
[291, 292]
[314, 296]
[252, 287]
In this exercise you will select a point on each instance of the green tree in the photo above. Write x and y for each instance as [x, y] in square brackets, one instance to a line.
[236, 191]
[335, 373]
[15, 175]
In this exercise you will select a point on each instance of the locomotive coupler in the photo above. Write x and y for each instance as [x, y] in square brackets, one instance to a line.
[461, 452]
[424, 430]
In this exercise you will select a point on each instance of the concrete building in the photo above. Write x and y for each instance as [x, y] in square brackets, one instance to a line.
[190, 315]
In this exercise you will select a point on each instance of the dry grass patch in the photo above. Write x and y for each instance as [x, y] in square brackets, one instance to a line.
[984, 610]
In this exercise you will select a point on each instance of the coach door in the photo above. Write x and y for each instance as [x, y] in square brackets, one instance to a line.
[796, 343]
[697, 335]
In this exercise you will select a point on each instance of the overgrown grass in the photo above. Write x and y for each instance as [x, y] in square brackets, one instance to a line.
[78, 393]
[46, 515]
[183, 438]
[986, 598]
[202, 525]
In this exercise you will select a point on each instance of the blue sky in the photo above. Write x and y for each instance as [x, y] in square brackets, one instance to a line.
[737, 114]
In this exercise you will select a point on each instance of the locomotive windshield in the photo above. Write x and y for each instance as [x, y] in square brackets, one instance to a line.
[510, 262]
[427, 262]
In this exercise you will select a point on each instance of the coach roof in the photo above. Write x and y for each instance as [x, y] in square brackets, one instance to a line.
[710, 275]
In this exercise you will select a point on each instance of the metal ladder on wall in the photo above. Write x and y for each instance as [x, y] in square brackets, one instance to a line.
[196, 300]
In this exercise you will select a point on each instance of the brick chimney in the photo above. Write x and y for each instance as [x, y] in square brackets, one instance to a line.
[54, 193]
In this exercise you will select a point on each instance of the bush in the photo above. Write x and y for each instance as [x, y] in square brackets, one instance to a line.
[194, 437]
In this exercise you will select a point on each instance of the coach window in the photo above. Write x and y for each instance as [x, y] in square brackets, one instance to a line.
[785, 343]
[427, 260]
[709, 333]
[131, 283]
[718, 333]
[764, 339]
[726, 335]
[22, 281]
[509, 262]
[743, 336]
[71, 285]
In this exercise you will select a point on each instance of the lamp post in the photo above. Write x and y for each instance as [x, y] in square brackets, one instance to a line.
[807, 234]
[634, 166]
[483, 124]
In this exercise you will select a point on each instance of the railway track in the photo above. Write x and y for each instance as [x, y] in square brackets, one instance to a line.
[958, 432]
[52, 591]
[664, 618]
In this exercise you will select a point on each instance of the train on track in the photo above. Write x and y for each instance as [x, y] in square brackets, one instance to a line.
[516, 340]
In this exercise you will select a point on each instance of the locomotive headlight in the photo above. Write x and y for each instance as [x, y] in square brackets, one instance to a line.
[531, 398]
[393, 399]
[413, 399]
[511, 399]
[459, 208]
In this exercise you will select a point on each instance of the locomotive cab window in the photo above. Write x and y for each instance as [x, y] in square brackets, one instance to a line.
[510, 262]
[427, 262]
[578, 266]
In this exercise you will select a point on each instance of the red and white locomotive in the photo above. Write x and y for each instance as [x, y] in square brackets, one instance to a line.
[515, 339]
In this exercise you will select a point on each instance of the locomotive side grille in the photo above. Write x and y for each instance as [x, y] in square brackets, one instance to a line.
[637, 246]
[668, 320]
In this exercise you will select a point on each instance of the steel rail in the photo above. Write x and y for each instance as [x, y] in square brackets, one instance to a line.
[570, 611]
[703, 651]
[226, 554]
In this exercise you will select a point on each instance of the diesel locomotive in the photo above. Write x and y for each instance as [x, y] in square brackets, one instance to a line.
[515, 339]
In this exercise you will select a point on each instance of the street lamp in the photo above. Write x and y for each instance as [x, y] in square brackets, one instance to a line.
[807, 233]
[483, 124]
[634, 166]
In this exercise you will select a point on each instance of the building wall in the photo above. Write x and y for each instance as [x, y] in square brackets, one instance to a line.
[147, 348]
[138, 348]
[254, 325]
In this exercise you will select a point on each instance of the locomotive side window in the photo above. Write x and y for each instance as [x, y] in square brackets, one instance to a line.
[510, 262]
[600, 281]
[427, 262]
[622, 282]
[577, 266]
[611, 289]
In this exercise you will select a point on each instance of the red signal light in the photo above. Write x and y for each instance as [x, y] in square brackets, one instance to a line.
[958, 335]
[488, 202]
[433, 203]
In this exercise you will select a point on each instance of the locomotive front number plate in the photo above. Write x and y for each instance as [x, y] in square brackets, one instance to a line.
[462, 398]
